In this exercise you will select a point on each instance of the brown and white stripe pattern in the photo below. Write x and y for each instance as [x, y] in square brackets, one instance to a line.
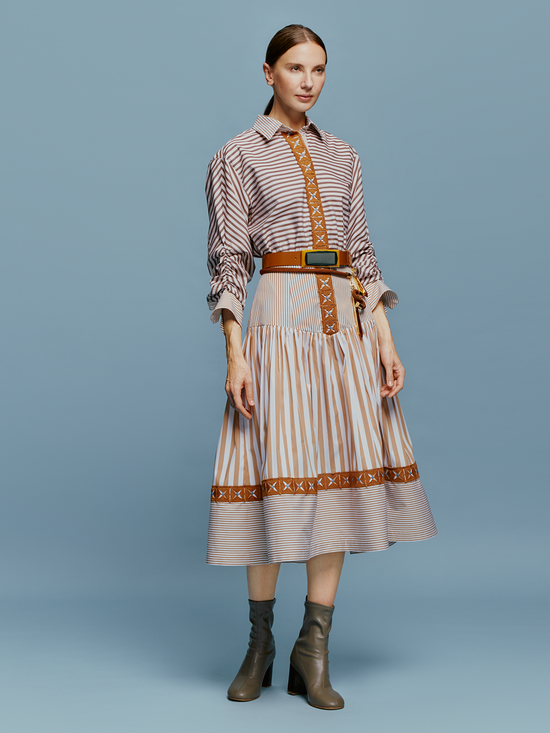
[258, 203]
[325, 464]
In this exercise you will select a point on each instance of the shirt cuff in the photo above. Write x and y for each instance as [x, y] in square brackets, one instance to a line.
[228, 301]
[379, 290]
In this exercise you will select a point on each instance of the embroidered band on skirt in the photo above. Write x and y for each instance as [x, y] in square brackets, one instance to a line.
[325, 464]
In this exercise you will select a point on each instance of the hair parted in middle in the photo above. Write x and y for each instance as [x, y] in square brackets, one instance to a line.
[285, 39]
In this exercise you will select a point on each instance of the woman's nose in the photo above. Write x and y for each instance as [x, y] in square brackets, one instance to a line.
[307, 83]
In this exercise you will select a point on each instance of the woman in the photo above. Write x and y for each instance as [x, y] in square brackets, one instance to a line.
[314, 457]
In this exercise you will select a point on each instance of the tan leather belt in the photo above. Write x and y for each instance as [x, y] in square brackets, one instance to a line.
[307, 258]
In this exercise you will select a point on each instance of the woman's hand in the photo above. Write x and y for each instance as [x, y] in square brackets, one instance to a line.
[395, 371]
[238, 384]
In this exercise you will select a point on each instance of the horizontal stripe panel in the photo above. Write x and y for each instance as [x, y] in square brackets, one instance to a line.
[294, 529]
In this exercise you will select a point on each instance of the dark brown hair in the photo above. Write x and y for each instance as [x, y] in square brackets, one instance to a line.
[282, 41]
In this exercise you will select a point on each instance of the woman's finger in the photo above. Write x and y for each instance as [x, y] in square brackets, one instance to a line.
[239, 405]
[235, 392]
[229, 393]
[398, 381]
[389, 373]
[387, 386]
[248, 391]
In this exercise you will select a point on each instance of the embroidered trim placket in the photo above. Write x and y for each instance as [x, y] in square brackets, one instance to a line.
[318, 229]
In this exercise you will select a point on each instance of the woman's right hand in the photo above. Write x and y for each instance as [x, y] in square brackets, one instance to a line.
[238, 384]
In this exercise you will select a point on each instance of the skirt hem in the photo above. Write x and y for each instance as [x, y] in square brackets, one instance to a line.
[244, 562]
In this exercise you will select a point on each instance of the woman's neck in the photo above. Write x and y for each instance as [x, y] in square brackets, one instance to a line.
[288, 117]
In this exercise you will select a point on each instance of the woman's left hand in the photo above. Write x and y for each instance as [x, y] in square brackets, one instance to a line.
[395, 371]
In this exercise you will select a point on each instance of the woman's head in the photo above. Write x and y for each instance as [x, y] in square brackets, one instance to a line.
[294, 66]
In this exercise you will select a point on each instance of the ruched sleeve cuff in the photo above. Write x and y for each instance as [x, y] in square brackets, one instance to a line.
[228, 301]
[379, 290]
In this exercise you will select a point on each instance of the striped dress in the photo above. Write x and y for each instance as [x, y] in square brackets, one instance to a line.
[325, 464]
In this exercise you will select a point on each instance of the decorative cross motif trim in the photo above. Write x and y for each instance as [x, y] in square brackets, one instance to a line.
[324, 482]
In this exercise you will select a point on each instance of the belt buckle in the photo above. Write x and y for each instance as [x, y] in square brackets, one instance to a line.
[320, 258]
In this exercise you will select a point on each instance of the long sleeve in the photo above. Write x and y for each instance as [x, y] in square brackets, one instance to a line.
[360, 246]
[230, 259]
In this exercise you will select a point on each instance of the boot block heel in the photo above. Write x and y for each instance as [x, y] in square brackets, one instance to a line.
[267, 676]
[296, 685]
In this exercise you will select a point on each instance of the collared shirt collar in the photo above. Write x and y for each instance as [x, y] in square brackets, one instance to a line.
[268, 126]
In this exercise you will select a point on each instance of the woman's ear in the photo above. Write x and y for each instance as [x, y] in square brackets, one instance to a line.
[268, 74]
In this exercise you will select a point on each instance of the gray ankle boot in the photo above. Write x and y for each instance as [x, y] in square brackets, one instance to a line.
[309, 660]
[257, 667]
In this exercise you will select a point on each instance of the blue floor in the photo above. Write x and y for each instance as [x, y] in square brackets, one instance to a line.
[162, 663]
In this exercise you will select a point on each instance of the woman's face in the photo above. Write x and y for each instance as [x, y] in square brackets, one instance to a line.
[298, 77]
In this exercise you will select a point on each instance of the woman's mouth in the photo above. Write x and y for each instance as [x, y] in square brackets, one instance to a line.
[304, 97]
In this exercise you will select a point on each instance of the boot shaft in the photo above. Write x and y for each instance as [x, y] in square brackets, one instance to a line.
[316, 626]
[261, 622]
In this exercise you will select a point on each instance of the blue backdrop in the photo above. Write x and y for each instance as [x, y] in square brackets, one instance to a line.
[112, 374]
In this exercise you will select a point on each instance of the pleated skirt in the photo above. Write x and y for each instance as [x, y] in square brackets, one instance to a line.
[325, 464]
